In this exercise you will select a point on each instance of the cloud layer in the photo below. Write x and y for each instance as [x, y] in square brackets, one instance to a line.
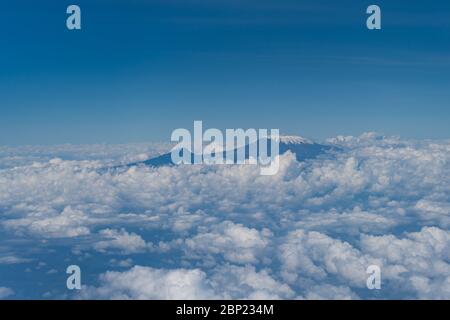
[309, 232]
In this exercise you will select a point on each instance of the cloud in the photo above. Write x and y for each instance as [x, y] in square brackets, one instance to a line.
[120, 240]
[8, 259]
[127, 263]
[248, 283]
[5, 292]
[416, 263]
[330, 292]
[68, 223]
[317, 256]
[11, 157]
[226, 282]
[234, 241]
[419, 260]
[312, 229]
[142, 283]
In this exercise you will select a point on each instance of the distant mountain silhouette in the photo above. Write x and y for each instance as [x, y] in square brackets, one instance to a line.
[302, 148]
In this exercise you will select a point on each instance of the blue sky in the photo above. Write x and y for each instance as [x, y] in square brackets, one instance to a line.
[139, 69]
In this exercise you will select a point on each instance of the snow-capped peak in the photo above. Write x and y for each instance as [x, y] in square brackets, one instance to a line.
[293, 140]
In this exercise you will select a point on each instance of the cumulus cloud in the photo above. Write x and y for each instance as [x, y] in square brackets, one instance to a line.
[5, 292]
[419, 261]
[317, 256]
[68, 223]
[11, 157]
[120, 240]
[330, 292]
[312, 229]
[226, 282]
[121, 263]
[8, 259]
[234, 241]
[142, 283]
[248, 283]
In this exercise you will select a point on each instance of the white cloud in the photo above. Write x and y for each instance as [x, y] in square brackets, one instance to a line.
[226, 282]
[419, 260]
[317, 256]
[330, 292]
[144, 283]
[416, 263]
[8, 259]
[234, 241]
[120, 240]
[5, 292]
[247, 283]
[127, 263]
[68, 223]
[314, 227]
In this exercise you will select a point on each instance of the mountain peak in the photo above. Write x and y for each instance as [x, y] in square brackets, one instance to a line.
[294, 140]
[302, 148]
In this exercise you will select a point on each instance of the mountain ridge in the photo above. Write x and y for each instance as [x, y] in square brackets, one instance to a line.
[302, 148]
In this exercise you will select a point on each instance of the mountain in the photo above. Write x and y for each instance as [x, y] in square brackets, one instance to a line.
[302, 148]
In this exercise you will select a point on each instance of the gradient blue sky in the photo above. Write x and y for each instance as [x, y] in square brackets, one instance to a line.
[139, 69]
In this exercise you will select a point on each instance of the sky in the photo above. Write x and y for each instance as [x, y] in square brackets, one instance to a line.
[140, 69]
